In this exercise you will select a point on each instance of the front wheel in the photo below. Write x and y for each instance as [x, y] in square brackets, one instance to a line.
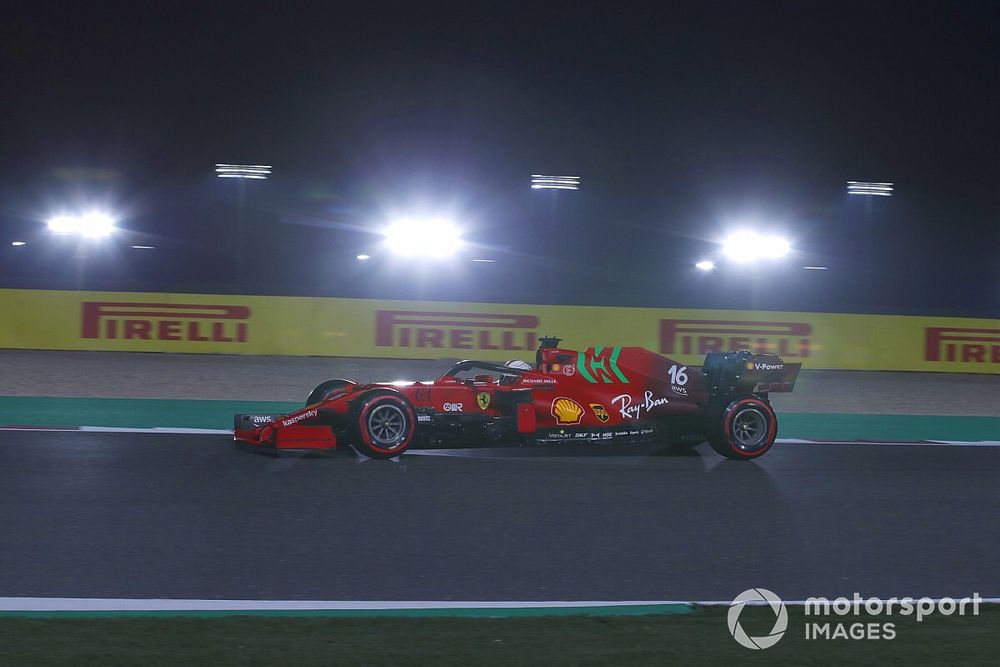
[325, 390]
[383, 426]
[747, 429]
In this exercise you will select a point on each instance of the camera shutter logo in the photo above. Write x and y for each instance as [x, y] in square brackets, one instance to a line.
[757, 595]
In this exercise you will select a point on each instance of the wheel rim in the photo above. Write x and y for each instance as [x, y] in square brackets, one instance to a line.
[749, 429]
[387, 426]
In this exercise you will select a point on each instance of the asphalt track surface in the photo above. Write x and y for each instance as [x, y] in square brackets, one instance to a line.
[128, 515]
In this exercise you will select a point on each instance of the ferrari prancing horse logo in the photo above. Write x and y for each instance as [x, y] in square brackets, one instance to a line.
[483, 399]
[599, 412]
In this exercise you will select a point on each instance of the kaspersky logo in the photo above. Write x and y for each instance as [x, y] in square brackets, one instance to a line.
[164, 321]
[460, 331]
[965, 345]
[308, 414]
[786, 339]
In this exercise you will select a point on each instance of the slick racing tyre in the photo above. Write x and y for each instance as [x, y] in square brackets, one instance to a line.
[745, 430]
[384, 424]
[326, 389]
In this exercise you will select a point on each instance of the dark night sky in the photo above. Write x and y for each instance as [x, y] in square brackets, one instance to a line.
[684, 120]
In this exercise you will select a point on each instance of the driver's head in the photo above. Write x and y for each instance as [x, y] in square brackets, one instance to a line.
[519, 364]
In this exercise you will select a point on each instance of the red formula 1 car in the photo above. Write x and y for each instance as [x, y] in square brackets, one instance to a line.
[604, 394]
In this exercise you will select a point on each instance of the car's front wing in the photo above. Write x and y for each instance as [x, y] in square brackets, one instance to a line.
[279, 432]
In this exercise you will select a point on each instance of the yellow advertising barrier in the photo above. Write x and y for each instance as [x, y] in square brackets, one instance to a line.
[143, 322]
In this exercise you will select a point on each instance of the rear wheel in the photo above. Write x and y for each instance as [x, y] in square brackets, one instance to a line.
[383, 426]
[746, 429]
[326, 389]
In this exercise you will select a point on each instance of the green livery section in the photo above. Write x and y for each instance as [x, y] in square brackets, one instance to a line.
[600, 364]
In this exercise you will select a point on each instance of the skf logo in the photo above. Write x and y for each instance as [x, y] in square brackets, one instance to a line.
[786, 339]
[165, 321]
[967, 345]
[460, 331]
[599, 412]
[567, 411]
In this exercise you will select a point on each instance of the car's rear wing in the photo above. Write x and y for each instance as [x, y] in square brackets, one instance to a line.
[768, 377]
[729, 373]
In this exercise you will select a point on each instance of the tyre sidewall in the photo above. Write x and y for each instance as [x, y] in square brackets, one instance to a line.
[362, 440]
[725, 443]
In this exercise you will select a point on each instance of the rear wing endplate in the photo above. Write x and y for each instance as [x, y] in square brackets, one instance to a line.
[768, 377]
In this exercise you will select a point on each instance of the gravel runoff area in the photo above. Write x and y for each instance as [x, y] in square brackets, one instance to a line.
[237, 377]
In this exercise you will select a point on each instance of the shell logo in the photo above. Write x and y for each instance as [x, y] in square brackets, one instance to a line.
[567, 411]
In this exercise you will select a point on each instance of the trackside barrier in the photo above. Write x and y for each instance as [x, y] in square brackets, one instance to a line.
[312, 326]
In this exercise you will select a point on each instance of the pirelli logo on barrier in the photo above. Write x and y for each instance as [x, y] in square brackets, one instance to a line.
[965, 345]
[164, 321]
[790, 340]
[251, 324]
[459, 331]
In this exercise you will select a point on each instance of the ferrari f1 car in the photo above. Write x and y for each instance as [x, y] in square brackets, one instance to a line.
[604, 394]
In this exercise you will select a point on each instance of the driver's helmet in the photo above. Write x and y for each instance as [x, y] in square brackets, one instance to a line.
[519, 364]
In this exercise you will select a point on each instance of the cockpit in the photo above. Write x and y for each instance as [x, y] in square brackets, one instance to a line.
[487, 372]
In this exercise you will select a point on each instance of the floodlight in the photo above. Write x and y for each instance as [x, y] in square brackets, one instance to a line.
[705, 265]
[430, 237]
[543, 182]
[92, 225]
[95, 225]
[870, 189]
[746, 246]
[62, 224]
[257, 172]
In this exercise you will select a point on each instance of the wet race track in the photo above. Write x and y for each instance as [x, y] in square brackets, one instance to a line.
[126, 515]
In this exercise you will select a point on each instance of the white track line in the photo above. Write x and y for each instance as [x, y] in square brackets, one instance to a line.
[180, 430]
[157, 429]
[153, 604]
[131, 604]
[40, 429]
[900, 443]
[963, 443]
[802, 603]
[176, 430]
